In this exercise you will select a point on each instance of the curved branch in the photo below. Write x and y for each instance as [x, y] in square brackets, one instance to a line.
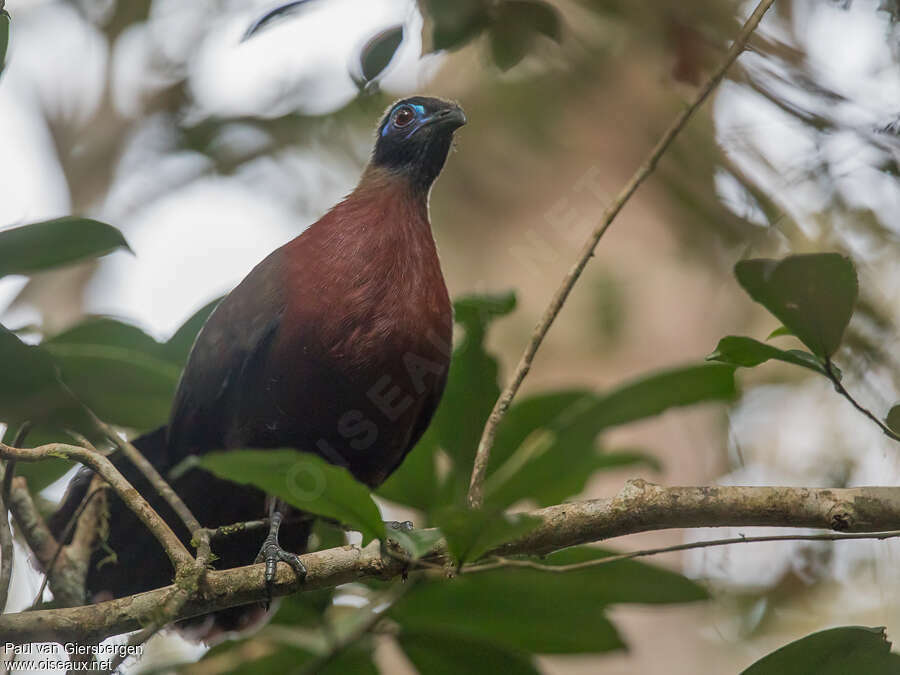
[176, 551]
[476, 487]
[639, 507]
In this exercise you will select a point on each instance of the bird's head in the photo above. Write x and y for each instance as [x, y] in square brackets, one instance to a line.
[415, 136]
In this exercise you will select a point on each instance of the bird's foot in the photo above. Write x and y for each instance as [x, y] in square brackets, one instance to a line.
[271, 553]
[391, 550]
[405, 526]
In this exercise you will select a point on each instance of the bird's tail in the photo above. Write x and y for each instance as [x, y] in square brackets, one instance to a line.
[129, 560]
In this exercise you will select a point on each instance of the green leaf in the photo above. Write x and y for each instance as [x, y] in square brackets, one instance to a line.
[416, 543]
[302, 480]
[655, 393]
[379, 51]
[415, 483]
[517, 24]
[55, 243]
[837, 651]
[781, 331]
[125, 387]
[542, 611]
[813, 295]
[4, 37]
[472, 387]
[506, 609]
[548, 431]
[623, 581]
[117, 370]
[102, 330]
[529, 414]
[746, 352]
[32, 390]
[455, 22]
[434, 653]
[893, 419]
[258, 655]
[472, 533]
[179, 345]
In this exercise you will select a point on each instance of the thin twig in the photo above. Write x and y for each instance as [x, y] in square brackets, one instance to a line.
[156, 480]
[476, 484]
[532, 564]
[842, 390]
[6, 553]
[172, 545]
[60, 547]
[223, 531]
[10, 471]
[7, 550]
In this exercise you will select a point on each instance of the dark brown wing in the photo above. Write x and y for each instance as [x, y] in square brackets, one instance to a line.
[237, 335]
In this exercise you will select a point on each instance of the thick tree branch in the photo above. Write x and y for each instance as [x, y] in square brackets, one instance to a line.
[638, 507]
[476, 488]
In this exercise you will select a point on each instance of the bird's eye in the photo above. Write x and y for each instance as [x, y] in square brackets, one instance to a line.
[404, 116]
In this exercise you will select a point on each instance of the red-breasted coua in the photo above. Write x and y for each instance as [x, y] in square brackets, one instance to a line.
[338, 344]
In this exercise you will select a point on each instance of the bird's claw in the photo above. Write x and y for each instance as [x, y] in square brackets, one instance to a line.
[271, 553]
[405, 526]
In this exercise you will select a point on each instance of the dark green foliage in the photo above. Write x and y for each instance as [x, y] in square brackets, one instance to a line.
[470, 533]
[118, 371]
[893, 419]
[512, 25]
[437, 653]
[303, 480]
[813, 295]
[55, 243]
[742, 351]
[540, 433]
[455, 22]
[179, 345]
[539, 611]
[518, 23]
[837, 651]
[545, 432]
[4, 37]
[472, 386]
[378, 52]
[415, 483]
[258, 655]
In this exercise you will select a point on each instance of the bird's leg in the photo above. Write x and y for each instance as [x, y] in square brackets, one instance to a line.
[272, 553]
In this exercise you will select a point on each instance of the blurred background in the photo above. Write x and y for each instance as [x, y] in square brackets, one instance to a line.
[209, 151]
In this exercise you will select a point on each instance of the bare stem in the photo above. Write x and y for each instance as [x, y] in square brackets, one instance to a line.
[842, 390]
[533, 564]
[6, 553]
[151, 474]
[476, 484]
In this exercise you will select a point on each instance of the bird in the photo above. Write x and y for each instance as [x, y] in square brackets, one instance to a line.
[338, 344]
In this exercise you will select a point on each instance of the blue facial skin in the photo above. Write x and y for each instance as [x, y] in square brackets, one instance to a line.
[418, 148]
[420, 118]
